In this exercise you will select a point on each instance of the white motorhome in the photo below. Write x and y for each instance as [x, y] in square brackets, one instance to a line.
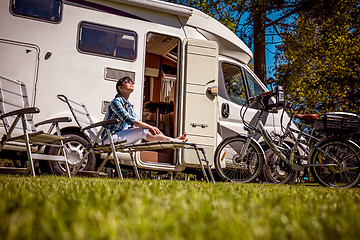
[178, 56]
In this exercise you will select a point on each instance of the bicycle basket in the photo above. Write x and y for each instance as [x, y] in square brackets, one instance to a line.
[339, 122]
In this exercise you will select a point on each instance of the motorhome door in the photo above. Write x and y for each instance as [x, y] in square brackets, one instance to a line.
[200, 113]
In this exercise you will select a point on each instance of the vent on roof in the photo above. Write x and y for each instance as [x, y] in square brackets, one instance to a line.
[113, 74]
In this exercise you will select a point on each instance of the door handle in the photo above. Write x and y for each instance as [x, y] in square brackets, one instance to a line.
[225, 110]
[213, 90]
[202, 125]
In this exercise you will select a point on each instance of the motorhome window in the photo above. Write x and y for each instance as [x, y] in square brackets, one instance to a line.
[107, 41]
[254, 88]
[234, 83]
[49, 10]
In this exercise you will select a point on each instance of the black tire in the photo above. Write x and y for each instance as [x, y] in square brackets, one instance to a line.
[230, 169]
[347, 171]
[76, 145]
[276, 170]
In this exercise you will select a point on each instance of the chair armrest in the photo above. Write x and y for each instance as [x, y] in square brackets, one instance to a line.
[54, 120]
[28, 110]
[62, 97]
[102, 123]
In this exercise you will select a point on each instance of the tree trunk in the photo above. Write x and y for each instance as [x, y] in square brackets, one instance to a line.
[259, 12]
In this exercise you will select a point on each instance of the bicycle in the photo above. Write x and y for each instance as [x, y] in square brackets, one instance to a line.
[333, 161]
[277, 171]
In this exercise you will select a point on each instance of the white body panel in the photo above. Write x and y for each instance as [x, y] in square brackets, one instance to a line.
[45, 56]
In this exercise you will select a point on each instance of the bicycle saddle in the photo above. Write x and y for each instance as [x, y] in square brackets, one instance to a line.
[306, 117]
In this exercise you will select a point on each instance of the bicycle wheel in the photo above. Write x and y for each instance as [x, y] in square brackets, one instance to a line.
[346, 171]
[231, 168]
[276, 170]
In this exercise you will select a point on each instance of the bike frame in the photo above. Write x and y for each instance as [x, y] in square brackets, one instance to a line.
[259, 127]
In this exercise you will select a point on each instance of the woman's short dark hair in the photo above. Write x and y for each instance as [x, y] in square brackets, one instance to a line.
[120, 82]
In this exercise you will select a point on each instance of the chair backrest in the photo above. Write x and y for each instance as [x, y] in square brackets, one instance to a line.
[13, 96]
[81, 116]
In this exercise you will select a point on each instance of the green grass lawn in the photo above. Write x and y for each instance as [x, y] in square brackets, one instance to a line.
[50, 207]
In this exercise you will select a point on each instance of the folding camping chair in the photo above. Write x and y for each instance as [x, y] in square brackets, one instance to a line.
[82, 117]
[93, 134]
[20, 131]
[151, 146]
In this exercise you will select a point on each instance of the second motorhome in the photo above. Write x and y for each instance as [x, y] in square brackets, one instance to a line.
[190, 71]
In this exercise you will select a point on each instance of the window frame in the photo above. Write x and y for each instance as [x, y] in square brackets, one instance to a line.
[247, 80]
[11, 4]
[224, 84]
[108, 28]
[243, 70]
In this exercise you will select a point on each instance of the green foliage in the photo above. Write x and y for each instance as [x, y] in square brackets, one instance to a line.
[320, 59]
[237, 15]
[49, 207]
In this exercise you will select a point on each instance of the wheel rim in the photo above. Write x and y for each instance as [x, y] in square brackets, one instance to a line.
[232, 167]
[345, 173]
[75, 151]
[276, 170]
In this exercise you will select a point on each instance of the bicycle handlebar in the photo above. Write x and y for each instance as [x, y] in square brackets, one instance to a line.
[268, 94]
[264, 95]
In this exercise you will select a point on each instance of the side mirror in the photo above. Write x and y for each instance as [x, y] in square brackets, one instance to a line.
[280, 97]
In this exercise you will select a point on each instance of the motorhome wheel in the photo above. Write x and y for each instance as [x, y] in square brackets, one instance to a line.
[76, 146]
[277, 171]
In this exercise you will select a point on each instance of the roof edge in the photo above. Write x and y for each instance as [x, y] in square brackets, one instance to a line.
[162, 6]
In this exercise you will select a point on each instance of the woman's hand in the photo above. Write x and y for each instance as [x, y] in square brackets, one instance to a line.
[152, 129]
[155, 130]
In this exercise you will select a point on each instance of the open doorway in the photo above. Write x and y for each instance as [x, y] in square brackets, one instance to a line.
[160, 91]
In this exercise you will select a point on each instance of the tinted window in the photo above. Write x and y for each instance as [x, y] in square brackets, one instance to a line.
[107, 41]
[234, 83]
[254, 88]
[49, 10]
